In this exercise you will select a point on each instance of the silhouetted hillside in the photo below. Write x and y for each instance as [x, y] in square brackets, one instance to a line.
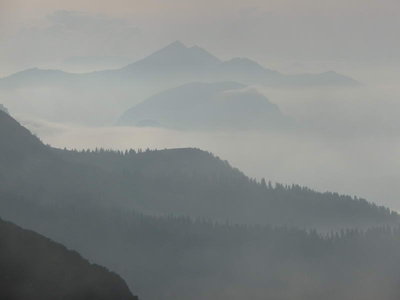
[177, 258]
[196, 183]
[18, 144]
[33, 267]
[223, 105]
[87, 201]
[181, 181]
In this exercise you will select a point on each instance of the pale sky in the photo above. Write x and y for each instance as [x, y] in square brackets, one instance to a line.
[43, 32]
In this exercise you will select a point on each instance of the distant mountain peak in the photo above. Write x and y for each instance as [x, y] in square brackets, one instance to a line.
[177, 64]
[172, 47]
[176, 44]
[177, 55]
[199, 105]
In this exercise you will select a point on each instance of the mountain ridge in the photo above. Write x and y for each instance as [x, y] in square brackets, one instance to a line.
[184, 224]
[189, 182]
[200, 105]
[176, 56]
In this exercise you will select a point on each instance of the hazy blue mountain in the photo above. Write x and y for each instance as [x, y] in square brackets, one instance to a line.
[182, 64]
[248, 71]
[59, 96]
[33, 267]
[38, 77]
[175, 57]
[223, 105]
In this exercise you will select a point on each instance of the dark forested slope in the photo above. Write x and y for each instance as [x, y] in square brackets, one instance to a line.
[85, 200]
[196, 183]
[33, 267]
[177, 181]
[177, 258]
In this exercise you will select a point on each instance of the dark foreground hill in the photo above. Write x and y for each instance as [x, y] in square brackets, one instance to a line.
[176, 258]
[33, 267]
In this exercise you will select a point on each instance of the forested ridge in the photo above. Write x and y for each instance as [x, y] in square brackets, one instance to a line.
[176, 181]
[169, 257]
[197, 183]
[184, 224]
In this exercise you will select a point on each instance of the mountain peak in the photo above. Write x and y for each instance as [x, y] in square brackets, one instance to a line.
[176, 44]
[178, 56]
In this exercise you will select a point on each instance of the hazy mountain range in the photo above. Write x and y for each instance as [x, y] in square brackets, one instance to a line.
[93, 202]
[178, 63]
[60, 96]
[258, 162]
[223, 105]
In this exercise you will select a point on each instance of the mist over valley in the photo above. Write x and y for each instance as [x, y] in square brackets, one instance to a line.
[165, 150]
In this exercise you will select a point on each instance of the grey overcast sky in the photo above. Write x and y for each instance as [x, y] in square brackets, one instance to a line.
[42, 32]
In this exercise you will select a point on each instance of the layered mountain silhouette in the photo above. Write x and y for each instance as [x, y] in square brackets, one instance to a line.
[33, 267]
[179, 63]
[94, 202]
[174, 58]
[224, 105]
[178, 258]
[59, 96]
[178, 181]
